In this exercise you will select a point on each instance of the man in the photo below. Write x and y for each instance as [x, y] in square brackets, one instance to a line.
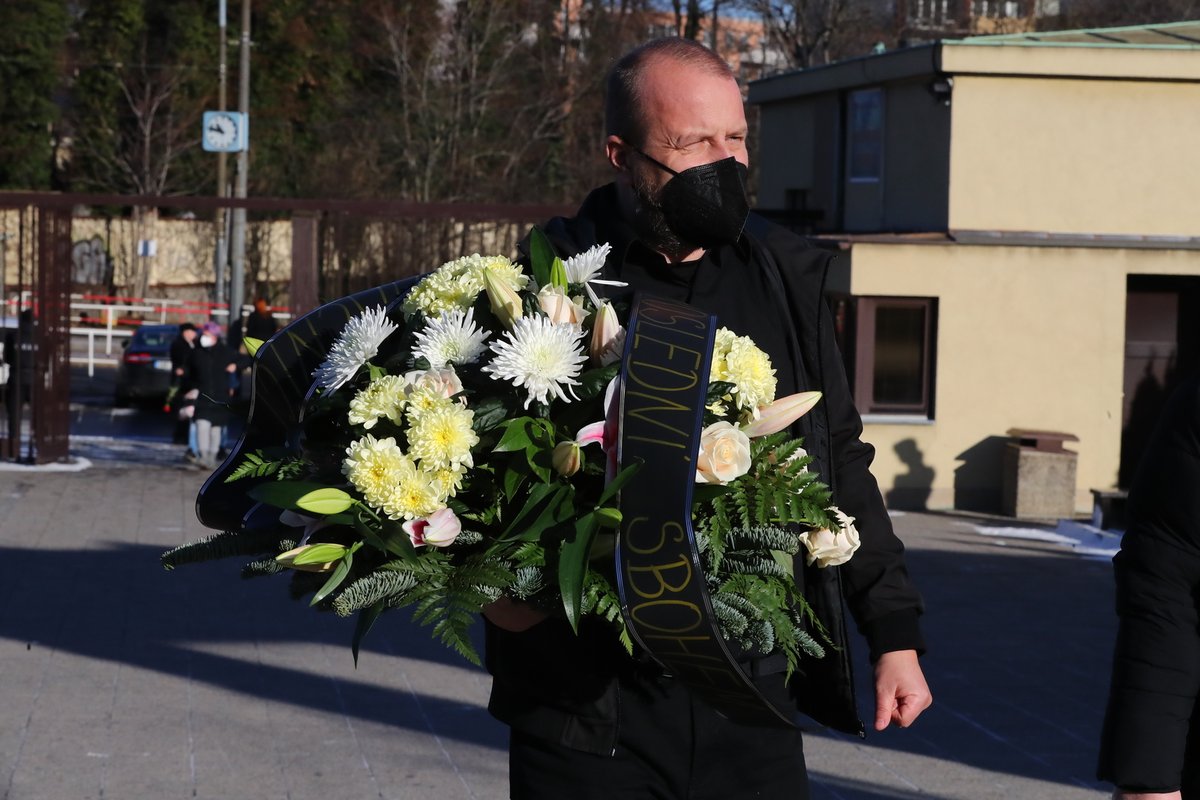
[587, 721]
[1150, 747]
[260, 324]
[181, 352]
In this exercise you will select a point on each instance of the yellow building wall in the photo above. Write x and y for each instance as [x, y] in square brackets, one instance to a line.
[1075, 156]
[1027, 337]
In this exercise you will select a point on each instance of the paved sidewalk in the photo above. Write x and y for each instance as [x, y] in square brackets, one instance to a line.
[119, 680]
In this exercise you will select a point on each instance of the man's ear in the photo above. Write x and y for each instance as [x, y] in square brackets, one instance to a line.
[617, 153]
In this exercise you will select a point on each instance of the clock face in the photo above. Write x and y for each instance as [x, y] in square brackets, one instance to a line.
[221, 131]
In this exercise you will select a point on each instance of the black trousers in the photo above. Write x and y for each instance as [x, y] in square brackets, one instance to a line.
[671, 746]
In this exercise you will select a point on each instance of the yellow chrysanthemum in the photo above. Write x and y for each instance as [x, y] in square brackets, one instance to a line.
[737, 360]
[750, 369]
[448, 480]
[416, 495]
[375, 467]
[724, 340]
[442, 436]
[425, 398]
[384, 397]
[457, 283]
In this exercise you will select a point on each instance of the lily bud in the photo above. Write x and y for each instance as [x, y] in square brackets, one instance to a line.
[506, 303]
[608, 336]
[312, 557]
[781, 413]
[559, 308]
[567, 458]
[439, 529]
[558, 274]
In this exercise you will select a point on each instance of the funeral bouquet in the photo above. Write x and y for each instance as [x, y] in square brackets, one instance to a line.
[459, 446]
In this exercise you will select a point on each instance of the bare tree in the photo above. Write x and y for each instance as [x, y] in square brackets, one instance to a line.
[815, 32]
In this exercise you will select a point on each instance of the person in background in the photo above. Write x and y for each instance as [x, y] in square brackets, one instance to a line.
[181, 352]
[260, 324]
[1150, 744]
[208, 372]
[20, 353]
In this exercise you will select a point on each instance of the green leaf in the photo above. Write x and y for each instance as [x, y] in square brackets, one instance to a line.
[252, 344]
[549, 504]
[623, 477]
[335, 580]
[283, 494]
[517, 435]
[541, 257]
[366, 621]
[573, 565]
[511, 481]
[593, 382]
[394, 540]
[325, 501]
[488, 413]
[541, 461]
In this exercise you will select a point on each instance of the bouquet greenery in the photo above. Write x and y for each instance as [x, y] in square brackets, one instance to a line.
[441, 465]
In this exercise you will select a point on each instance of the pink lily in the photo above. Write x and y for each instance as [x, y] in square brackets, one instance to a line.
[439, 529]
[783, 412]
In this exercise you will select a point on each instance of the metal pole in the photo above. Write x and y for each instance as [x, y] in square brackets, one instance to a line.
[220, 256]
[238, 262]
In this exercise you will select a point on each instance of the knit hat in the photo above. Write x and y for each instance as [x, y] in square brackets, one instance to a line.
[211, 328]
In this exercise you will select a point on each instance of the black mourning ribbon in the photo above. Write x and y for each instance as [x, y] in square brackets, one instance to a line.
[668, 351]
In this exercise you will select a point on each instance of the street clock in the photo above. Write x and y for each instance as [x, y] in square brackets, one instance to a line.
[224, 131]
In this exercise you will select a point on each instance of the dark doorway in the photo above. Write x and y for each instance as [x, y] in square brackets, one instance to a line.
[1162, 344]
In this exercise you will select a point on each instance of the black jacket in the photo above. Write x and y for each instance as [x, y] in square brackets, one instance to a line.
[549, 682]
[1151, 738]
[208, 372]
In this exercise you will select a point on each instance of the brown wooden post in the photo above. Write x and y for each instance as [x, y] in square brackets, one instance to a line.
[303, 295]
[52, 336]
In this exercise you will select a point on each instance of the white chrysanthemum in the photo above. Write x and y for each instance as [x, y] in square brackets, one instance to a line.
[540, 356]
[457, 283]
[448, 480]
[451, 338]
[443, 436]
[384, 397]
[415, 495]
[583, 267]
[357, 344]
[375, 467]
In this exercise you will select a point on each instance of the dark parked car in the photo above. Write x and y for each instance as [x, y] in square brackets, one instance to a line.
[145, 369]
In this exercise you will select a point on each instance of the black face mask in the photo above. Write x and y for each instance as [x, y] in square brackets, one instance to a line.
[705, 205]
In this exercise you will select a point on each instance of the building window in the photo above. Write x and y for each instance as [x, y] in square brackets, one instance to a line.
[888, 344]
[865, 135]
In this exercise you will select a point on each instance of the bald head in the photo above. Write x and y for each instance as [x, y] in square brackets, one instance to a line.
[624, 109]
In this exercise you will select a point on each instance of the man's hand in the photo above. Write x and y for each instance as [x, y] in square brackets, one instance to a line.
[512, 615]
[1121, 795]
[901, 693]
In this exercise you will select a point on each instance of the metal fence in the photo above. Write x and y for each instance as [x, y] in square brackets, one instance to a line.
[333, 248]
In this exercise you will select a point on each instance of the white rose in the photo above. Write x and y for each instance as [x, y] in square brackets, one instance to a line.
[559, 308]
[830, 548]
[724, 454]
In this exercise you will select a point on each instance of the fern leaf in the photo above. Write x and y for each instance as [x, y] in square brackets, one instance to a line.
[223, 545]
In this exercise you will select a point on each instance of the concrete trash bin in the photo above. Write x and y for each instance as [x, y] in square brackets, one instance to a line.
[1039, 475]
